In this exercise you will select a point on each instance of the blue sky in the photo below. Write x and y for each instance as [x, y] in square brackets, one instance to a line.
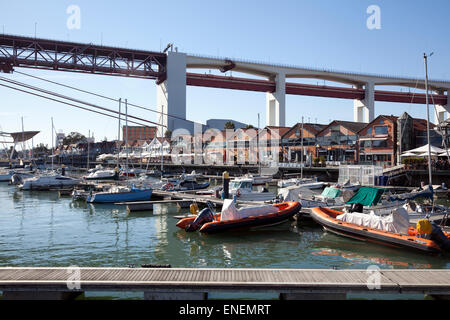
[321, 33]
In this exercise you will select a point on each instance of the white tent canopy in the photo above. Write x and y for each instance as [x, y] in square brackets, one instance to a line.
[424, 149]
[409, 154]
[444, 154]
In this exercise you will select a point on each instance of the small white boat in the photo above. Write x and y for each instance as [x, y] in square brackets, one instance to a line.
[330, 196]
[243, 190]
[45, 182]
[105, 174]
[305, 183]
[258, 180]
[120, 194]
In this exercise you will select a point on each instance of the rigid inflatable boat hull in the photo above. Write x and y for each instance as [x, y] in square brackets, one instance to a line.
[324, 217]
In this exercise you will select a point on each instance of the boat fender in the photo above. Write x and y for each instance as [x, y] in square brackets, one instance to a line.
[203, 217]
[440, 238]
[424, 228]
[193, 208]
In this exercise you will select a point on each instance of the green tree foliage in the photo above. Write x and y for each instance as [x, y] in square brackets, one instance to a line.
[74, 137]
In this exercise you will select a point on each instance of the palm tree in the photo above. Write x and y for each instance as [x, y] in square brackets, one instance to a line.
[229, 125]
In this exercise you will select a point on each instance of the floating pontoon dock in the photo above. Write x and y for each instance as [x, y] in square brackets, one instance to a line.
[195, 284]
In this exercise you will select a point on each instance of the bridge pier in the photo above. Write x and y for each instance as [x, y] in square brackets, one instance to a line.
[364, 110]
[276, 103]
[171, 94]
[439, 113]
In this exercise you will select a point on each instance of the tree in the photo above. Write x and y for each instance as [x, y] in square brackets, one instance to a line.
[249, 126]
[73, 138]
[41, 148]
[168, 134]
[229, 125]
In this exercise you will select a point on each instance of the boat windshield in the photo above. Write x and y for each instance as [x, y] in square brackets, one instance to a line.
[331, 193]
[240, 185]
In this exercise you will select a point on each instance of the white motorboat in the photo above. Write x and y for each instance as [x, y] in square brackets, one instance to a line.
[331, 196]
[259, 180]
[243, 190]
[304, 183]
[103, 174]
[45, 182]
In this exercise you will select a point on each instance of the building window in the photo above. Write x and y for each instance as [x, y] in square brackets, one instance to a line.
[379, 144]
[381, 130]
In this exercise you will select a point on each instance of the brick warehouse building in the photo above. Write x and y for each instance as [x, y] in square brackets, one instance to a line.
[139, 133]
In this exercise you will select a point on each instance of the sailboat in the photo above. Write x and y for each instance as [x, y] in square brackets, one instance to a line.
[121, 193]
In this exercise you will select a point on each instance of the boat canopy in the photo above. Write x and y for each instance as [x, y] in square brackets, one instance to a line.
[330, 192]
[367, 196]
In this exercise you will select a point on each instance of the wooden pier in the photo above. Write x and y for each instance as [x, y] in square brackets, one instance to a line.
[195, 284]
[181, 196]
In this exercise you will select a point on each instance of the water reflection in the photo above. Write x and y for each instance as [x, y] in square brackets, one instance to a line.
[42, 229]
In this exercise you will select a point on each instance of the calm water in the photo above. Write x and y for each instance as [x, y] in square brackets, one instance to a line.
[42, 229]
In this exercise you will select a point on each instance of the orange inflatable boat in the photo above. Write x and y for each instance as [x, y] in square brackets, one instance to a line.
[328, 219]
[206, 222]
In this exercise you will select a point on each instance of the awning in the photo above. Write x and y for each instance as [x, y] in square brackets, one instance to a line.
[373, 139]
[23, 135]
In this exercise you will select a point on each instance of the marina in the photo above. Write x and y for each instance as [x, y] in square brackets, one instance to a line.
[245, 173]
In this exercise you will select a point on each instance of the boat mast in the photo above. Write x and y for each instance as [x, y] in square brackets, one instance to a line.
[126, 128]
[52, 144]
[301, 164]
[428, 120]
[259, 153]
[23, 141]
[89, 136]
[430, 177]
[118, 135]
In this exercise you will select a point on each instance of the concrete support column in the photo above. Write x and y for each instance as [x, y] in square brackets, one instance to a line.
[439, 113]
[364, 110]
[171, 94]
[276, 103]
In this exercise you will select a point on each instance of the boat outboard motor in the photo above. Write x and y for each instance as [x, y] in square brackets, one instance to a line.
[203, 217]
[440, 238]
[357, 207]
[16, 179]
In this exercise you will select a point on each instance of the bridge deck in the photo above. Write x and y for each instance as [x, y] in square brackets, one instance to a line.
[192, 281]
